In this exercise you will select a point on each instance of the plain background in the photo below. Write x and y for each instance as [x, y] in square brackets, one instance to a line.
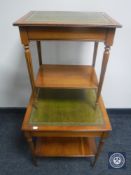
[14, 81]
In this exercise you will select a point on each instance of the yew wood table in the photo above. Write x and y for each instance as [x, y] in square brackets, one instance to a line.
[66, 111]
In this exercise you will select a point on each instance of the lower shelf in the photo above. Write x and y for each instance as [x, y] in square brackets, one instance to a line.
[65, 147]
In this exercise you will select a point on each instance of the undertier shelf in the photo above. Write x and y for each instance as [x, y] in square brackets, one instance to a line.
[66, 76]
[65, 147]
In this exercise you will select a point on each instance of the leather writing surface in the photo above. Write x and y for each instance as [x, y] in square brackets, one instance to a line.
[66, 107]
[61, 18]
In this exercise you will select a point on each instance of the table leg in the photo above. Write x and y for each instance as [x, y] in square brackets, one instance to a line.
[32, 147]
[99, 149]
[39, 52]
[30, 67]
[95, 53]
[103, 70]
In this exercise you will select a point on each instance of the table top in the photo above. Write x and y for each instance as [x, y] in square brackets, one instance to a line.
[67, 19]
[66, 110]
[66, 107]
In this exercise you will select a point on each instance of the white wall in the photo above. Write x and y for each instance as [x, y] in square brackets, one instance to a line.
[14, 82]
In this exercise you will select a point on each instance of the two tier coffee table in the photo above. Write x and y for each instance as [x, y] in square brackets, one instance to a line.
[66, 112]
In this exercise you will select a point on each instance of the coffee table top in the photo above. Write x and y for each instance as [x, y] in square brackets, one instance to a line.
[71, 19]
[74, 107]
[65, 108]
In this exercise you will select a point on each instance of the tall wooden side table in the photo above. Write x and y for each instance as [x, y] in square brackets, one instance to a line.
[66, 111]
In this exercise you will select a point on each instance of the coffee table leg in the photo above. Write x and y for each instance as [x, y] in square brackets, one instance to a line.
[32, 147]
[99, 149]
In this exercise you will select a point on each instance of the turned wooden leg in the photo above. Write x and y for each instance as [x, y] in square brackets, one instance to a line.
[32, 147]
[39, 52]
[99, 149]
[95, 53]
[30, 67]
[103, 70]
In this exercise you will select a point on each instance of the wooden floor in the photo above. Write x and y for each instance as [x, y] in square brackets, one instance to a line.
[65, 147]
[66, 76]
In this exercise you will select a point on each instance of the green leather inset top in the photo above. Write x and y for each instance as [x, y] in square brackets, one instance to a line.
[66, 107]
[69, 17]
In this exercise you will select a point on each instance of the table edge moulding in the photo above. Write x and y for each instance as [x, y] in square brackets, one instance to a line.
[72, 92]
